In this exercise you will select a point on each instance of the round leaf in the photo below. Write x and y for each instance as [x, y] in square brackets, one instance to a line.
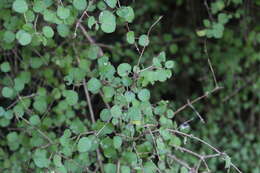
[7, 92]
[20, 6]
[84, 144]
[5, 67]
[23, 37]
[80, 4]
[94, 85]
[130, 37]
[71, 97]
[108, 21]
[124, 69]
[48, 32]
[143, 40]
[63, 12]
[144, 95]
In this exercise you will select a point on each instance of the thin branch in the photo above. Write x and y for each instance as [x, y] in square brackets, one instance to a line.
[181, 162]
[148, 34]
[197, 99]
[209, 62]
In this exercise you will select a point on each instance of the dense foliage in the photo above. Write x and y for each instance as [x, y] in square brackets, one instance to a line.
[129, 86]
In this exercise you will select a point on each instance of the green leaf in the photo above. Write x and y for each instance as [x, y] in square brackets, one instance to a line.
[130, 96]
[80, 4]
[2, 111]
[7, 92]
[23, 37]
[93, 52]
[35, 120]
[5, 67]
[116, 111]
[48, 31]
[84, 144]
[8, 37]
[125, 169]
[20, 6]
[124, 69]
[39, 6]
[134, 113]
[143, 40]
[227, 161]
[144, 95]
[91, 21]
[111, 3]
[63, 30]
[130, 37]
[63, 12]
[105, 115]
[40, 105]
[108, 21]
[94, 85]
[40, 159]
[127, 13]
[117, 141]
[110, 168]
[57, 160]
[108, 91]
[71, 97]
[18, 84]
[184, 170]
[169, 64]
[130, 157]
[19, 110]
[150, 167]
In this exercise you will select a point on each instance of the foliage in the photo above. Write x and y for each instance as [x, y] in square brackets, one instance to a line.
[72, 104]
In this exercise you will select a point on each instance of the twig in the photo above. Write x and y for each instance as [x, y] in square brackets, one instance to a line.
[197, 113]
[209, 62]
[181, 162]
[148, 33]
[197, 99]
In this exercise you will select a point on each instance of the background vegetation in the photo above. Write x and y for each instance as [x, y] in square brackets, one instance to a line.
[99, 86]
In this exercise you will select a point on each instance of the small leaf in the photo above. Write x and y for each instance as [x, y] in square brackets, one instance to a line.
[7, 92]
[169, 64]
[143, 40]
[116, 111]
[91, 21]
[48, 31]
[93, 52]
[20, 6]
[127, 13]
[23, 37]
[125, 169]
[117, 141]
[57, 160]
[35, 120]
[110, 168]
[111, 3]
[105, 115]
[144, 95]
[130, 37]
[5, 67]
[124, 69]
[108, 21]
[63, 12]
[94, 85]
[227, 162]
[71, 97]
[8, 37]
[80, 4]
[84, 144]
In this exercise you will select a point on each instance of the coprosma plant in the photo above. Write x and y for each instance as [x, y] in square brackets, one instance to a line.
[51, 79]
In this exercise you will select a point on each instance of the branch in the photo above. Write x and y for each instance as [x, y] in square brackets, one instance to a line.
[197, 99]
